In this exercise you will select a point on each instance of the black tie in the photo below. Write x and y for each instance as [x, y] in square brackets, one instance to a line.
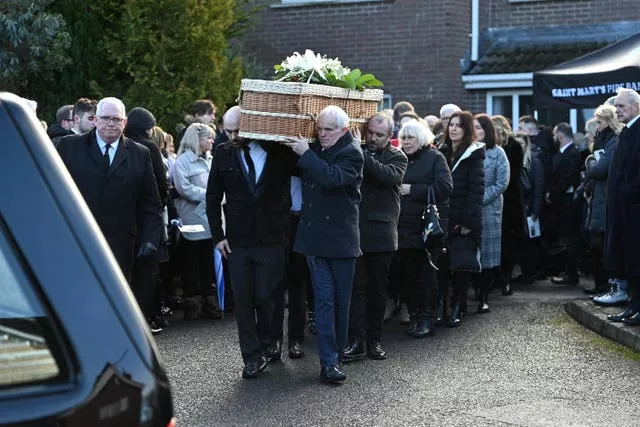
[250, 165]
[107, 161]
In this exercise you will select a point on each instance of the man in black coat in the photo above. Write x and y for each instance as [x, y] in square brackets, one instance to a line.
[622, 233]
[255, 179]
[63, 125]
[115, 176]
[565, 179]
[328, 233]
[384, 168]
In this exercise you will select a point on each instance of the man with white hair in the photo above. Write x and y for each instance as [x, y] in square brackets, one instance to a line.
[622, 232]
[328, 233]
[115, 177]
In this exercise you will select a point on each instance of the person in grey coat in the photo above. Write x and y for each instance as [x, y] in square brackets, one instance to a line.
[328, 233]
[496, 181]
[384, 167]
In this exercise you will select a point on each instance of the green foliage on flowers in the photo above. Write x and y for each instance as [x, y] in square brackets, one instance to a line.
[315, 68]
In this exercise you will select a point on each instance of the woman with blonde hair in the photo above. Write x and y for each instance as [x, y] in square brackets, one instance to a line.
[595, 188]
[190, 177]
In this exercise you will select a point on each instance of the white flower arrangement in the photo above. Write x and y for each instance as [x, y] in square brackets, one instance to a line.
[316, 68]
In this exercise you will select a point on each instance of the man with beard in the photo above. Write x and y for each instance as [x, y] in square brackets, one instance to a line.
[384, 167]
[254, 177]
[328, 233]
[84, 111]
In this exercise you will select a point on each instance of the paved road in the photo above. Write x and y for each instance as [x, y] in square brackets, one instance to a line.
[524, 364]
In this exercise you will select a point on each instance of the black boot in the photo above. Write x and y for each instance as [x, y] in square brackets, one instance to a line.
[454, 320]
[440, 312]
[424, 328]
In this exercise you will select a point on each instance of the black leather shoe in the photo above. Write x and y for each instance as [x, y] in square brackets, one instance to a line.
[354, 351]
[633, 320]
[375, 351]
[440, 312]
[295, 350]
[629, 312]
[332, 374]
[424, 328]
[454, 321]
[274, 350]
[253, 369]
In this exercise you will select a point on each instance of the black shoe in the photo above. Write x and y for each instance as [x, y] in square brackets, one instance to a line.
[332, 374]
[629, 312]
[161, 322]
[274, 350]
[375, 351]
[154, 326]
[295, 350]
[633, 320]
[354, 351]
[253, 369]
[483, 307]
[424, 328]
[454, 320]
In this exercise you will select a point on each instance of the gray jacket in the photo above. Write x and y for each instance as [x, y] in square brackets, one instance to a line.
[190, 176]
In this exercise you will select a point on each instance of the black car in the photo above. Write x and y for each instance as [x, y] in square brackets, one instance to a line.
[75, 349]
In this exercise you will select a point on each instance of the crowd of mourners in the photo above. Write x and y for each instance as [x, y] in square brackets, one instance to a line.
[407, 219]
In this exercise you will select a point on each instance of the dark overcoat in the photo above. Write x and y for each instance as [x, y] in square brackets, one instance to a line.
[596, 183]
[427, 167]
[468, 191]
[380, 204]
[124, 199]
[331, 182]
[255, 214]
[622, 234]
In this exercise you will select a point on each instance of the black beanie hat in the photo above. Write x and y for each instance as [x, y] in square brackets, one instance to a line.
[141, 118]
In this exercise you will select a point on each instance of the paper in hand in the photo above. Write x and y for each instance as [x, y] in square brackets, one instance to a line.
[195, 228]
[533, 227]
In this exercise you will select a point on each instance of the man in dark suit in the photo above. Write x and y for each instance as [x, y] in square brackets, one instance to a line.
[565, 179]
[622, 232]
[384, 168]
[255, 179]
[328, 233]
[115, 177]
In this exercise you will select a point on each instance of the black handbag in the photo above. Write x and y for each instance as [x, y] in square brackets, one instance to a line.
[431, 218]
[464, 253]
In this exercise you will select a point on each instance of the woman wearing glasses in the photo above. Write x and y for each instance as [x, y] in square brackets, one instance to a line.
[190, 176]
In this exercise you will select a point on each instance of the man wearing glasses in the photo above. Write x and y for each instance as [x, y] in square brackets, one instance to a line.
[115, 177]
[328, 233]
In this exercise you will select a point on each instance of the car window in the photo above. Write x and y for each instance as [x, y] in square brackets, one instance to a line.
[25, 331]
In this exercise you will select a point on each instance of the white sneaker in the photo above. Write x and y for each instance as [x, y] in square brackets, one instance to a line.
[404, 314]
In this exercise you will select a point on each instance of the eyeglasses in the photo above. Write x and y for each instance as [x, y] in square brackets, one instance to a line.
[110, 120]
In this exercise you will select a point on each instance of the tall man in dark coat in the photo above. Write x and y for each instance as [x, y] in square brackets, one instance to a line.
[384, 167]
[255, 178]
[565, 179]
[328, 233]
[622, 233]
[115, 177]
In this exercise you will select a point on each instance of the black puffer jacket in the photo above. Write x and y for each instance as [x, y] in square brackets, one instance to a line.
[465, 204]
[426, 167]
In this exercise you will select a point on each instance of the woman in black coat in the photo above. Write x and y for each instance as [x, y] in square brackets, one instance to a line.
[427, 167]
[465, 207]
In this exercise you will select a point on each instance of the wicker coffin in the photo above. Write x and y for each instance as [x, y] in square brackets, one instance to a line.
[274, 110]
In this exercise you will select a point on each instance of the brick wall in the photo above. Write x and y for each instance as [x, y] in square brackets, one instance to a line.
[412, 46]
[504, 13]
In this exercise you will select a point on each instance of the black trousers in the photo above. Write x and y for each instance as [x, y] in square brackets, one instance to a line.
[420, 279]
[596, 245]
[144, 279]
[197, 267]
[568, 220]
[297, 282]
[256, 273]
[634, 292]
[369, 296]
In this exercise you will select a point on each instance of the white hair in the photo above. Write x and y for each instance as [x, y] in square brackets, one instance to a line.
[341, 118]
[111, 101]
[631, 94]
[418, 130]
[449, 108]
